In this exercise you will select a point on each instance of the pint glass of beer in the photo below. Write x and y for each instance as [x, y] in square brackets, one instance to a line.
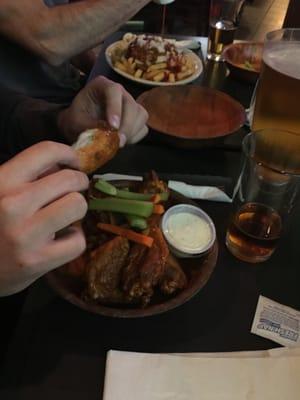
[276, 102]
[223, 21]
[265, 194]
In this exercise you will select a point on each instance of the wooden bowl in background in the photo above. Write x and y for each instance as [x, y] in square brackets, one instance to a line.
[192, 114]
[244, 60]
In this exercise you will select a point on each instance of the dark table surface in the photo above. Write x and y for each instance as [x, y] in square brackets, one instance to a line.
[58, 351]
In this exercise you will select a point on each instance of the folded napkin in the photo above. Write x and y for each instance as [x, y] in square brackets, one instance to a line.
[211, 193]
[235, 376]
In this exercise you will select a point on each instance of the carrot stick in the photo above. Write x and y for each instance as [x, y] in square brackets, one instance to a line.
[156, 199]
[158, 209]
[127, 233]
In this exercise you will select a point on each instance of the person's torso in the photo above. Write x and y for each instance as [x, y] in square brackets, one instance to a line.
[25, 73]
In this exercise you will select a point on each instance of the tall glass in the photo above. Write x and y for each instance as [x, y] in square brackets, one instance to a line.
[276, 101]
[265, 195]
[223, 21]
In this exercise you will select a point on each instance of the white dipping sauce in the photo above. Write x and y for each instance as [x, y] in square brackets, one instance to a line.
[188, 231]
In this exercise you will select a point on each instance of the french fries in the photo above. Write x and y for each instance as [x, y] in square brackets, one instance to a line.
[162, 64]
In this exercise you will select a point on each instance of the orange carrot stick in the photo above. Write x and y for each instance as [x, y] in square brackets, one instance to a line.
[127, 233]
[156, 199]
[158, 209]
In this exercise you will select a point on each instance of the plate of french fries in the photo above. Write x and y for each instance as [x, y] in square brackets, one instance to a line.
[153, 60]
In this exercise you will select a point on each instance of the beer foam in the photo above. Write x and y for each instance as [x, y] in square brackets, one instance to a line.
[284, 58]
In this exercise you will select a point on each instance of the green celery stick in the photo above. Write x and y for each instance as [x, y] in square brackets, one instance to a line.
[125, 194]
[137, 222]
[164, 196]
[105, 187]
[132, 207]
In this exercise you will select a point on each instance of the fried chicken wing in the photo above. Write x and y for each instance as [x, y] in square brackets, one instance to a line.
[104, 271]
[152, 184]
[95, 147]
[146, 269]
[131, 270]
[173, 278]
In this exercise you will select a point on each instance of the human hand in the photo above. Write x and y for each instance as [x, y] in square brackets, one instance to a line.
[39, 202]
[104, 99]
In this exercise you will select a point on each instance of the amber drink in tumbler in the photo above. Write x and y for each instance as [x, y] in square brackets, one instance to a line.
[254, 232]
[264, 196]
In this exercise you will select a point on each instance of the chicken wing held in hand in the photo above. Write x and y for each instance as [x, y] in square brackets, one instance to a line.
[95, 147]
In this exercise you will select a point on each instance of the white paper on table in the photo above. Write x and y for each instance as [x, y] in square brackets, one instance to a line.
[138, 376]
[200, 192]
[277, 322]
[211, 193]
[276, 352]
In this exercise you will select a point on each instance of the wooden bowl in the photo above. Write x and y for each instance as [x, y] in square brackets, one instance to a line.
[192, 113]
[198, 271]
[244, 60]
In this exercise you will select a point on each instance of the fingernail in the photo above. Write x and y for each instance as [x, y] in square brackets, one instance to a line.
[123, 139]
[115, 121]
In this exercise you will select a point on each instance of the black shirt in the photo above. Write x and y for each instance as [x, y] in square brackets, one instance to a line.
[23, 72]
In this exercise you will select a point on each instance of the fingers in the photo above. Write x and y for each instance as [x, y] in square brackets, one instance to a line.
[55, 217]
[121, 110]
[134, 118]
[62, 250]
[46, 190]
[34, 162]
[113, 100]
[109, 94]
[139, 136]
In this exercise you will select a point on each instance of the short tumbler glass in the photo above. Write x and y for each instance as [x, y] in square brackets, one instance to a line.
[264, 195]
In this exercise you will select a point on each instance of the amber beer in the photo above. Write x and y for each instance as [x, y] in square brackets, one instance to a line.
[253, 233]
[221, 34]
[278, 91]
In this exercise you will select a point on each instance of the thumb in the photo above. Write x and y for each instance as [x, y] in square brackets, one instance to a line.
[113, 105]
[108, 95]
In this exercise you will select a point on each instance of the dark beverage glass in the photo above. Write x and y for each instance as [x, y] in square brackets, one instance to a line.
[264, 197]
[223, 22]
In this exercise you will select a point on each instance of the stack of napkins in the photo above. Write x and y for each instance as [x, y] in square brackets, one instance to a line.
[267, 375]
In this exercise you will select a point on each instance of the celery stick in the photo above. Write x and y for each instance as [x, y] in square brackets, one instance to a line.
[125, 194]
[132, 207]
[137, 222]
[105, 187]
[164, 196]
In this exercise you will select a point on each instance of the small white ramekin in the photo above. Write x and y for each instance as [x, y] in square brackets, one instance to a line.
[181, 251]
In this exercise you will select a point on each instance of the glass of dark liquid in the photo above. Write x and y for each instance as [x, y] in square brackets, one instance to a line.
[264, 195]
[224, 17]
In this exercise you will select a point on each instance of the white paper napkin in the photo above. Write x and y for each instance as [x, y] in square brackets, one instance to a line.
[211, 193]
[263, 376]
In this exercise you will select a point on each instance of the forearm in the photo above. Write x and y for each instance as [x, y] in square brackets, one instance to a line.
[25, 121]
[61, 32]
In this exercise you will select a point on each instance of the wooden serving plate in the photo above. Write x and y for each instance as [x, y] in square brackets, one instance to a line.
[198, 271]
[192, 113]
